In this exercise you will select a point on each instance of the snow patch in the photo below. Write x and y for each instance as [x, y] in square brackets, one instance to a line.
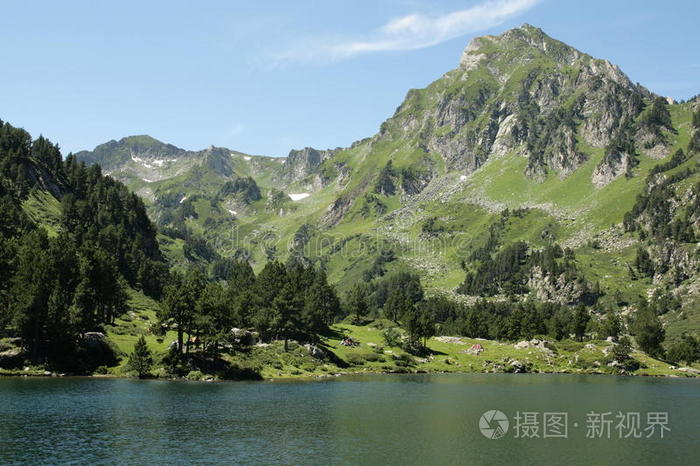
[463, 178]
[147, 180]
[141, 161]
[245, 157]
[299, 196]
[232, 212]
[152, 163]
[183, 199]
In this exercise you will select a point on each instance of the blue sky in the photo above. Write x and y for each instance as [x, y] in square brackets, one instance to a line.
[265, 77]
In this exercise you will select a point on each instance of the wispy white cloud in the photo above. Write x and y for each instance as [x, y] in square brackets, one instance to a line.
[234, 130]
[411, 32]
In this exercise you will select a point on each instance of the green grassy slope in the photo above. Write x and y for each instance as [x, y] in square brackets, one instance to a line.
[374, 356]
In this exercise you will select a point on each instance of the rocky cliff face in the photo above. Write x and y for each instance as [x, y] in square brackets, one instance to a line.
[520, 92]
[300, 165]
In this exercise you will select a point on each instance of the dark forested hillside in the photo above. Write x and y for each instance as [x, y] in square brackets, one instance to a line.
[71, 242]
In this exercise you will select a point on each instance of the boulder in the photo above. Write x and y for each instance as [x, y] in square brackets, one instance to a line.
[244, 337]
[95, 340]
[12, 357]
[315, 352]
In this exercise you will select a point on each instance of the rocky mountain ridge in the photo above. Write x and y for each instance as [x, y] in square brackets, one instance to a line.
[560, 141]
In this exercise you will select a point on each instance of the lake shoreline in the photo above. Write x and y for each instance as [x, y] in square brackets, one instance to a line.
[309, 378]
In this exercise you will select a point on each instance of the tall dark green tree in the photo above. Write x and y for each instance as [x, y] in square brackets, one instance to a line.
[213, 318]
[418, 323]
[140, 359]
[268, 284]
[287, 307]
[648, 330]
[580, 322]
[686, 350]
[397, 305]
[321, 305]
[180, 302]
[356, 302]
[610, 325]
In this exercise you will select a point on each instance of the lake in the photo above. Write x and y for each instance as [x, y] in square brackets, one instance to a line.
[381, 419]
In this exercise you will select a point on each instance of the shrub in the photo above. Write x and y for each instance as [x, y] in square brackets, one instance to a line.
[195, 375]
[403, 360]
[241, 371]
[355, 359]
[373, 357]
[392, 337]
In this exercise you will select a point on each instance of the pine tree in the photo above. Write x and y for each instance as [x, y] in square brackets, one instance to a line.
[622, 354]
[580, 321]
[686, 350]
[357, 302]
[648, 331]
[180, 301]
[140, 359]
[287, 307]
[397, 304]
[610, 325]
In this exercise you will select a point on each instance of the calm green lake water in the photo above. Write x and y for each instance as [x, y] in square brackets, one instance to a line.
[423, 419]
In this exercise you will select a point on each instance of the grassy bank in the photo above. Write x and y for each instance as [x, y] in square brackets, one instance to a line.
[371, 355]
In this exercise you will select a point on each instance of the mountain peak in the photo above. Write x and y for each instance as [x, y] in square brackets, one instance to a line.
[144, 139]
[518, 45]
[114, 153]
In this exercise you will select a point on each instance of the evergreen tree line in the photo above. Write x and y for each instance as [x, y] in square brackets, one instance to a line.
[285, 302]
[654, 213]
[507, 271]
[54, 289]
[398, 297]
[512, 321]
[659, 214]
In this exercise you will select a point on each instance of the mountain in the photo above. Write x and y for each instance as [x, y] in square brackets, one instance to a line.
[530, 171]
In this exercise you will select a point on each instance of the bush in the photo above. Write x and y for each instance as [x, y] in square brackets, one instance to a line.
[195, 375]
[241, 371]
[403, 360]
[355, 359]
[414, 347]
[566, 345]
[392, 336]
[308, 367]
[373, 357]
